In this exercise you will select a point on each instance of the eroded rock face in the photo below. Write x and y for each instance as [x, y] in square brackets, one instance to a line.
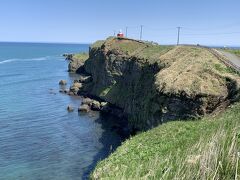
[75, 65]
[76, 62]
[150, 90]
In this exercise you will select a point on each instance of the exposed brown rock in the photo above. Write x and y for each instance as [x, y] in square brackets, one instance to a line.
[63, 82]
[84, 108]
[70, 108]
[96, 106]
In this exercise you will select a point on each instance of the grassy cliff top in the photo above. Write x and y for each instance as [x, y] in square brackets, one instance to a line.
[190, 69]
[130, 47]
[81, 56]
[194, 70]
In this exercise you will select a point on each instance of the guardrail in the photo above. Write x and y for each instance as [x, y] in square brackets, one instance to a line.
[223, 59]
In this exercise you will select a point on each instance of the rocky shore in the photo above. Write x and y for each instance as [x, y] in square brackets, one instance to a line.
[90, 102]
[144, 84]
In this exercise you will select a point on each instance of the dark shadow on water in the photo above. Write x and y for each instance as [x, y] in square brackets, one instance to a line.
[110, 140]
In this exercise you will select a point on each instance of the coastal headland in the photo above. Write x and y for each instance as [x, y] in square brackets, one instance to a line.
[146, 85]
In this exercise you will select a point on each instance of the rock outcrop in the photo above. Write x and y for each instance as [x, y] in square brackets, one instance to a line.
[70, 108]
[62, 82]
[84, 108]
[151, 84]
[76, 62]
[68, 56]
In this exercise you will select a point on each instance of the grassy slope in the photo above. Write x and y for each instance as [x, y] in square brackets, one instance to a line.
[81, 56]
[193, 70]
[206, 149]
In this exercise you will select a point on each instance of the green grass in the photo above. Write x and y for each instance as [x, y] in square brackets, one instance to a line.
[193, 70]
[131, 47]
[234, 51]
[154, 51]
[201, 149]
[127, 46]
[81, 56]
[97, 44]
[225, 69]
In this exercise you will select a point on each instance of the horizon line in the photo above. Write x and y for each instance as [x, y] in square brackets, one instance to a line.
[45, 42]
[87, 43]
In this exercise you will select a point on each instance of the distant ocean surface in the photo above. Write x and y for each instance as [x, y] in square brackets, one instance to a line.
[39, 139]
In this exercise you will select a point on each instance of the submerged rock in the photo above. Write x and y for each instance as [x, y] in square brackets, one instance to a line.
[71, 93]
[66, 91]
[68, 56]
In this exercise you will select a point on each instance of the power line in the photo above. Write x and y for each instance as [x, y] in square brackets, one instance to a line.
[159, 29]
[133, 27]
[169, 31]
[206, 34]
[226, 26]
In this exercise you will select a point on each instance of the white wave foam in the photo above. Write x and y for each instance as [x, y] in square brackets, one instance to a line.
[46, 58]
[8, 61]
[38, 59]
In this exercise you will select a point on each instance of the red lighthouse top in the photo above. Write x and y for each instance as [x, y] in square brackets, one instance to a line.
[120, 34]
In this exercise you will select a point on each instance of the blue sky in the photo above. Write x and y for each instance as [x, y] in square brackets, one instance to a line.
[209, 22]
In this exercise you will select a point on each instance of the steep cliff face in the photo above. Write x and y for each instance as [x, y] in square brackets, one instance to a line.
[152, 84]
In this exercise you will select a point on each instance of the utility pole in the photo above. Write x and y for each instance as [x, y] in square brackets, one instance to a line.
[178, 38]
[141, 31]
[126, 31]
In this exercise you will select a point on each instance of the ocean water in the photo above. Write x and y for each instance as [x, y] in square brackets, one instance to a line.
[39, 139]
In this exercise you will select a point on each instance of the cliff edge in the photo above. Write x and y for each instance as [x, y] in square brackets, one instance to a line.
[152, 84]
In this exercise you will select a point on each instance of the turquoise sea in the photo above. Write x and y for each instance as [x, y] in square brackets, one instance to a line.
[39, 139]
